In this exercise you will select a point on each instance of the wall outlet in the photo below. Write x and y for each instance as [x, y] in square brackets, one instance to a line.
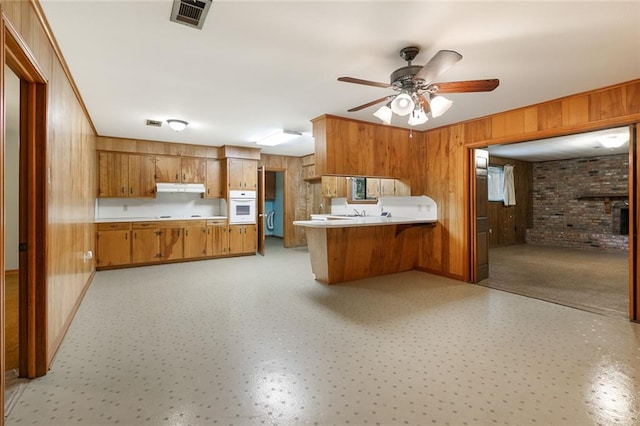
[125, 208]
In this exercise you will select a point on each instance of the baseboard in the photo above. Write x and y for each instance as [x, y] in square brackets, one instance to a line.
[53, 349]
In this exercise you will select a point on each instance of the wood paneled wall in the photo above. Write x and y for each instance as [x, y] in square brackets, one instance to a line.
[71, 170]
[509, 224]
[448, 180]
[295, 195]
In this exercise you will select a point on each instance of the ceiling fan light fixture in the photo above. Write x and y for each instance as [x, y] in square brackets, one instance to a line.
[402, 104]
[384, 113]
[418, 117]
[177, 125]
[439, 105]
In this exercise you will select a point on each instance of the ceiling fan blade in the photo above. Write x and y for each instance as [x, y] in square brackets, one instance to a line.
[441, 61]
[365, 82]
[466, 86]
[368, 104]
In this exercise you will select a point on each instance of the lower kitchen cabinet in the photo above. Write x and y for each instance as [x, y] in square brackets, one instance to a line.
[113, 244]
[145, 242]
[171, 243]
[195, 241]
[243, 239]
[121, 244]
[217, 238]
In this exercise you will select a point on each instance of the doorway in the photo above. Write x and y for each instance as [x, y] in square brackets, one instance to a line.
[564, 239]
[274, 207]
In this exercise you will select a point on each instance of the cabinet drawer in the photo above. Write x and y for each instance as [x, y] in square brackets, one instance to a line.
[121, 226]
[216, 222]
[144, 225]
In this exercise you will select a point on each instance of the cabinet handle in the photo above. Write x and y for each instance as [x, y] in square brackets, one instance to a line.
[184, 177]
[122, 190]
[208, 191]
[135, 235]
[186, 232]
[131, 190]
[126, 236]
[177, 176]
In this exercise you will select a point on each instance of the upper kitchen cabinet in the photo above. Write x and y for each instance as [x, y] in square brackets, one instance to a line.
[123, 175]
[355, 148]
[242, 174]
[215, 179]
[180, 169]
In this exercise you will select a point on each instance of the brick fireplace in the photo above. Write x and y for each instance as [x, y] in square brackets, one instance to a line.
[581, 203]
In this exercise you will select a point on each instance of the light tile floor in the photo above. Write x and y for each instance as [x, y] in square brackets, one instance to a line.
[255, 340]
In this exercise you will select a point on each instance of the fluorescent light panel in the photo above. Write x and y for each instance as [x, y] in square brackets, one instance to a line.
[278, 138]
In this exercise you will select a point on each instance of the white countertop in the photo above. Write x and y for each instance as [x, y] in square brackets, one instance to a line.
[157, 218]
[332, 221]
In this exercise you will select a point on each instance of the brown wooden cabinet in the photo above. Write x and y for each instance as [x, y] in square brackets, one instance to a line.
[113, 244]
[171, 241]
[145, 242]
[217, 237]
[215, 181]
[380, 187]
[242, 174]
[142, 179]
[242, 239]
[334, 186]
[123, 175]
[195, 240]
[270, 185]
[180, 169]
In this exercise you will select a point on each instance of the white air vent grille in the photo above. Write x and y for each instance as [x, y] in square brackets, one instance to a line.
[190, 12]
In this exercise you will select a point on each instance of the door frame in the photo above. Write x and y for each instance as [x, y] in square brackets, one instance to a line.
[634, 220]
[261, 206]
[32, 202]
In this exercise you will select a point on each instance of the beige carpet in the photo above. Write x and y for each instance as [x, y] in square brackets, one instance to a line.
[585, 279]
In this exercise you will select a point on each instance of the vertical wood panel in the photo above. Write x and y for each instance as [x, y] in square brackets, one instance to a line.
[575, 110]
[606, 104]
[550, 115]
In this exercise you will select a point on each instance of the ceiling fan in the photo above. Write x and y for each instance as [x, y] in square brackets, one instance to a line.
[418, 94]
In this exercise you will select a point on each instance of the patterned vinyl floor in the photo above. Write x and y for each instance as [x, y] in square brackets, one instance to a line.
[255, 340]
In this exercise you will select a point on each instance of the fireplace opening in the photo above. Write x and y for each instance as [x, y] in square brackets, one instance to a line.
[624, 221]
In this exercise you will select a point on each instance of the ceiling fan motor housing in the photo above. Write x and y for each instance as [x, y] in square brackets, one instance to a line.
[402, 78]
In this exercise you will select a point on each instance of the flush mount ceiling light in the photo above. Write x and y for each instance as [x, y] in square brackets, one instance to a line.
[614, 140]
[177, 125]
[417, 93]
[279, 137]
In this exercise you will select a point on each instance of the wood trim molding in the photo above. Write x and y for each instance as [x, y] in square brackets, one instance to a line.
[37, 8]
[2, 184]
[15, 43]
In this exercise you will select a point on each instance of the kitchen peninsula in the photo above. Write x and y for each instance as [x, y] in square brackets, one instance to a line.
[345, 248]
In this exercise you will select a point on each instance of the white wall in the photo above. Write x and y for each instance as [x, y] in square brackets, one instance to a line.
[12, 173]
[164, 204]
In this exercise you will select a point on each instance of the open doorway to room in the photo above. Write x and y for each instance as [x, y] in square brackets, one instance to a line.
[564, 238]
[274, 208]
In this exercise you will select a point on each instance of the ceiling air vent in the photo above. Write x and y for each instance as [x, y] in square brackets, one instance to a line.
[190, 12]
[154, 123]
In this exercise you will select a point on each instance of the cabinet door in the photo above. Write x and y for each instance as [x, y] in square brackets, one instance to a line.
[329, 186]
[250, 239]
[217, 240]
[236, 234]
[113, 175]
[215, 179]
[168, 169]
[113, 248]
[341, 186]
[193, 170]
[145, 245]
[250, 174]
[235, 174]
[387, 187]
[142, 175]
[195, 241]
[171, 243]
[373, 187]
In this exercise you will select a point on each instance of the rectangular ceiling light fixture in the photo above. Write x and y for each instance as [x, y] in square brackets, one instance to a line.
[278, 138]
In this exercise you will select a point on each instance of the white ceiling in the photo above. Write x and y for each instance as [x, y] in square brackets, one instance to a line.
[259, 66]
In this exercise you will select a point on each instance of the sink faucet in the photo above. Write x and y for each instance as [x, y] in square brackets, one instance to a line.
[362, 213]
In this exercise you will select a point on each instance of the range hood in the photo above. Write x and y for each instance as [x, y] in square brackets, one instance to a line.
[195, 188]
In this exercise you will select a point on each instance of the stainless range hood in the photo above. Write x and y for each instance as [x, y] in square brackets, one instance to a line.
[194, 188]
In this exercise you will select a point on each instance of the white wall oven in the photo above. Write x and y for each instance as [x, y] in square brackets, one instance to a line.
[242, 207]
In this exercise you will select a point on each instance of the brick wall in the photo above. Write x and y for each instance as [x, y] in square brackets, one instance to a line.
[562, 218]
